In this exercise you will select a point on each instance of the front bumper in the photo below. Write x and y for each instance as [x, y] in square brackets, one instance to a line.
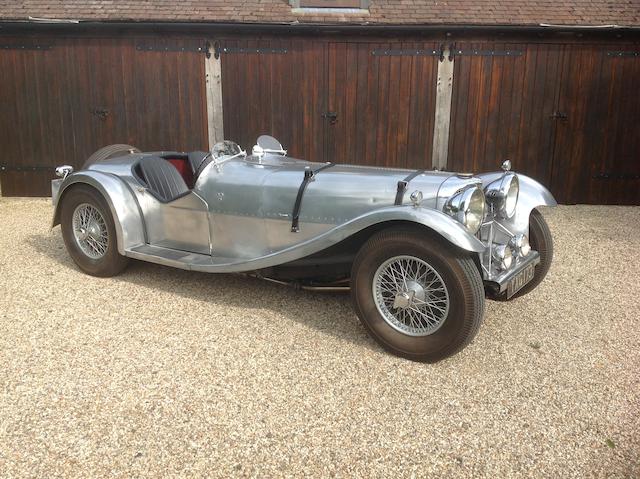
[501, 280]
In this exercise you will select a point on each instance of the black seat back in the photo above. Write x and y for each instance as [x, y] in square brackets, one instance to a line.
[162, 178]
[198, 160]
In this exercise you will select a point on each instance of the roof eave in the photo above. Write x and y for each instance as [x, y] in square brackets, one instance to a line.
[296, 27]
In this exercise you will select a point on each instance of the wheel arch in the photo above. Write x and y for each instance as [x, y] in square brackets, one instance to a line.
[426, 219]
[122, 203]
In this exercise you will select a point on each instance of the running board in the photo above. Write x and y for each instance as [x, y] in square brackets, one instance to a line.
[172, 257]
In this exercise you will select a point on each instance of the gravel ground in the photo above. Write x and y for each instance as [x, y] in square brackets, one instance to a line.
[172, 373]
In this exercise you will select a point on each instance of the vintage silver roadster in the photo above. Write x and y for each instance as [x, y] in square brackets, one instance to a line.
[419, 250]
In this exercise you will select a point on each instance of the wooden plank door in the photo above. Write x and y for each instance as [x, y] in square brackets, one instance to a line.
[275, 87]
[63, 103]
[157, 93]
[503, 97]
[34, 124]
[597, 146]
[381, 103]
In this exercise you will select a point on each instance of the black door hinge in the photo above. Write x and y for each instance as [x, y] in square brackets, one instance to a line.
[150, 47]
[27, 168]
[624, 53]
[488, 53]
[259, 51]
[609, 175]
[409, 52]
[13, 46]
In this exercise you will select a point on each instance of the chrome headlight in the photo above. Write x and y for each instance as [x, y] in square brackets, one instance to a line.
[503, 194]
[467, 207]
[64, 171]
[503, 256]
[520, 243]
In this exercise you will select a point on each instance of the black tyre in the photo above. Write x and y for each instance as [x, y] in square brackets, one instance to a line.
[428, 313]
[540, 240]
[89, 232]
[107, 152]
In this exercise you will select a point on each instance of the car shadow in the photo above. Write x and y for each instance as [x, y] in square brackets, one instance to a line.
[329, 313]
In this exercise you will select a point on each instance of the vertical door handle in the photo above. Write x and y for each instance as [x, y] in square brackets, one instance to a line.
[559, 115]
[332, 116]
[101, 113]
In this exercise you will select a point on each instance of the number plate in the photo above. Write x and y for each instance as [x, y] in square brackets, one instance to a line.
[520, 279]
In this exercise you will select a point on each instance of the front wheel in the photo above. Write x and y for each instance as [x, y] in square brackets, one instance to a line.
[89, 232]
[418, 296]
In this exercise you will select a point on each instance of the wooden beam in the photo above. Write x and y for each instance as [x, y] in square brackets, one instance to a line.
[442, 121]
[214, 98]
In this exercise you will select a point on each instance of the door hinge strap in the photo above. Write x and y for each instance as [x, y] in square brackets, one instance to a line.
[309, 175]
[609, 175]
[27, 168]
[402, 186]
[411, 52]
[488, 53]
[172, 48]
[624, 54]
[254, 50]
[25, 47]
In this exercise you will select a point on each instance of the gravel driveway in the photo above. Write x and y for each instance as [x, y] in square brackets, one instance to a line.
[167, 372]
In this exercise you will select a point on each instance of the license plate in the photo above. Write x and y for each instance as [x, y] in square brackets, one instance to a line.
[520, 279]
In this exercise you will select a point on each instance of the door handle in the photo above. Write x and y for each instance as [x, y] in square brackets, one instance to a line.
[101, 113]
[332, 116]
[559, 115]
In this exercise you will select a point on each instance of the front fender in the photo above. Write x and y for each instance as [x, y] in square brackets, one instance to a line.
[124, 207]
[532, 194]
[436, 220]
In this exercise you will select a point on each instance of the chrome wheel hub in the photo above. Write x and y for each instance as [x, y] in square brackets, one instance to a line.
[410, 295]
[90, 231]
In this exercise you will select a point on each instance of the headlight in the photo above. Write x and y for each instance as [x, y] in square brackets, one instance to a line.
[467, 206]
[503, 256]
[503, 195]
[520, 243]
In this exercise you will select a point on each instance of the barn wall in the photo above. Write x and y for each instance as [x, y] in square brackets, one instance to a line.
[561, 109]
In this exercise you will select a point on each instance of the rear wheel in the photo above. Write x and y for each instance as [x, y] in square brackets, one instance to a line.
[418, 296]
[89, 232]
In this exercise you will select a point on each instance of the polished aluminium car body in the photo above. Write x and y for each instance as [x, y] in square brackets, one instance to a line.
[239, 215]
[418, 250]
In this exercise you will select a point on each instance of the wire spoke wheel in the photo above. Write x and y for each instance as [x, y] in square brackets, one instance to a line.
[410, 295]
[90, 231]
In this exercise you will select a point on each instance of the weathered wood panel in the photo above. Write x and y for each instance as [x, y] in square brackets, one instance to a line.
[597, 149]
[62, 104]
[279, 90]
[567, 115]
[385, 104]
[502, 107]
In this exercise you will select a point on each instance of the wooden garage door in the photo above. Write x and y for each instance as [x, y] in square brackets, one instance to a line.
[381, 103]
[69, 97]
[340, 102]
[597, 147]
[275, 87]
[567, 115]
[504, 95]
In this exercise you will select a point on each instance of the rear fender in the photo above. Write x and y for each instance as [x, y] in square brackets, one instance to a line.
[124, 207]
